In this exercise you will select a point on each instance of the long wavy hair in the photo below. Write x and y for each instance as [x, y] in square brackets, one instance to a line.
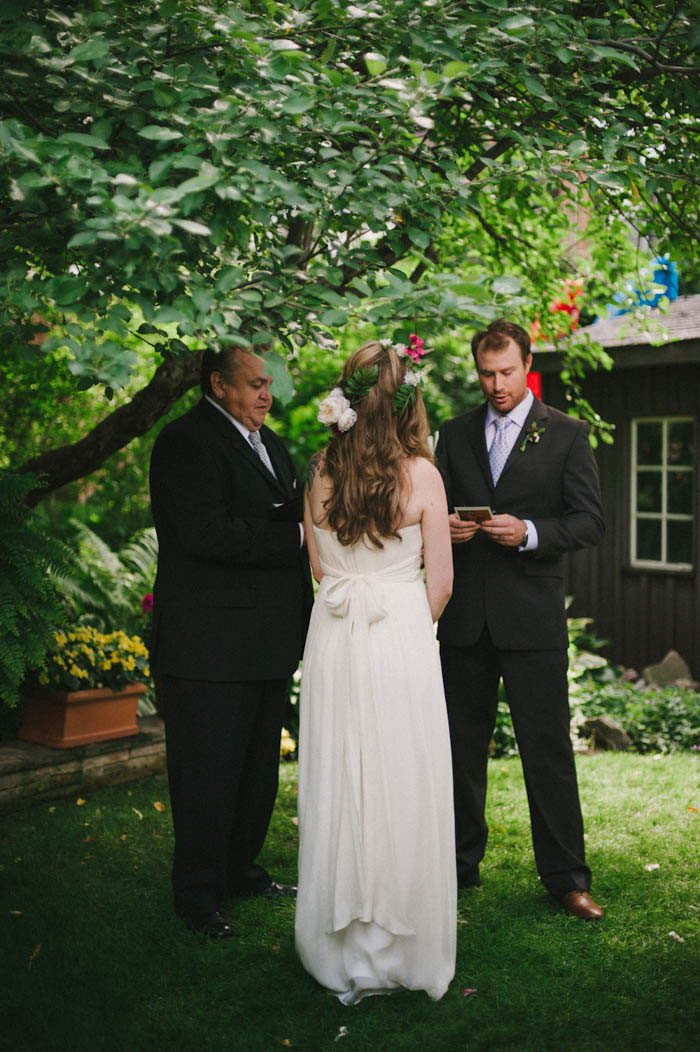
[365, 464]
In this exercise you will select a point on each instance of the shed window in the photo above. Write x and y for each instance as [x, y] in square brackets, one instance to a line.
[663, 463]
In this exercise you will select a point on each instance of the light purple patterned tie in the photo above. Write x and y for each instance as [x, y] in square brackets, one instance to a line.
[498, 453]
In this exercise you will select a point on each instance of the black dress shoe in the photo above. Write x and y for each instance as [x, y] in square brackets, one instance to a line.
[276, 891]
[214, 926]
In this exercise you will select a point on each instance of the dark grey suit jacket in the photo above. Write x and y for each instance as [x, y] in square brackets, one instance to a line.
[233, 591]
[554, 483]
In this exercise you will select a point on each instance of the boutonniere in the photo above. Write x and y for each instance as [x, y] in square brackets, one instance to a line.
[532, 434]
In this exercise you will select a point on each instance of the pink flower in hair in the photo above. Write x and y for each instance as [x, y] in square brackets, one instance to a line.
[417, 347]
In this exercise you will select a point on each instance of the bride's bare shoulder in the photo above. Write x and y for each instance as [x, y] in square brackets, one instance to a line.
[422, 470]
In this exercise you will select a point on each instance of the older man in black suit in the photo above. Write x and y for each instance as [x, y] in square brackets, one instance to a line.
[533, 467]
[231, 604]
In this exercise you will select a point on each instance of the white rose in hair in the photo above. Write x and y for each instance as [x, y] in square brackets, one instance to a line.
[411, 378]
[330, 408]
[401, 349]
[346, 419]
[338, 393]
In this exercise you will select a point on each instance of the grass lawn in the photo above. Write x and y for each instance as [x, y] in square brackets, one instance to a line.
[93, 958]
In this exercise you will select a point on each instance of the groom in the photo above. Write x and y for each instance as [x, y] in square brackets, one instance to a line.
[533, 467]
[231, 604]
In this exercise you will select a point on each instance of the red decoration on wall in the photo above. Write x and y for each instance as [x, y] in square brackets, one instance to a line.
[534, 382]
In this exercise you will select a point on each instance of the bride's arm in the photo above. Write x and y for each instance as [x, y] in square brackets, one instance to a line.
[437, 547]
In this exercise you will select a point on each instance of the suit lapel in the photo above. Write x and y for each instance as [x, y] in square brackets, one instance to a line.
[236, 445]
[476, 432]
[280, 461]
[538, 414]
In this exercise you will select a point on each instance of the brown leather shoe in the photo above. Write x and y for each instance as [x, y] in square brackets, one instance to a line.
[580, 904]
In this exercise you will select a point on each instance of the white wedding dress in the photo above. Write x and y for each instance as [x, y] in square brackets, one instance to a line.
[376, 906]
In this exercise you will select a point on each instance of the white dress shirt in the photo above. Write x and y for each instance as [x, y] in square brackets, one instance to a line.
[516, 418]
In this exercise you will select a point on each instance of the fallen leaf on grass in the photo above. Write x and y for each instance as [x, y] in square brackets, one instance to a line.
[692, 808]
[286, 1042]
[159, 806]
[90, 839]
[295, 820]
[275, 947]
[137, 812]
[651, 866]
[343, 1032]
[676, 936]
[80, 801]
[15, 913]
[34, 954]
[504, 770]
[460, 921]
[52, 809]
[468, 990]
[123, 836]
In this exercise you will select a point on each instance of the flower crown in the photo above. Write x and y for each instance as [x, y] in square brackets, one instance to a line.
[336, 409]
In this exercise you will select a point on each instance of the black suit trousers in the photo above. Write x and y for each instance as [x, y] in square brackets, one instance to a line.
[537, 691]
[222, 742]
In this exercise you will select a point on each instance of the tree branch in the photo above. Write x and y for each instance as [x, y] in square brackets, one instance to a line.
[634, 50]
[172, 379]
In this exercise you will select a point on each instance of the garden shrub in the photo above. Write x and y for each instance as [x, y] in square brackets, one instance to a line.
[30, 609]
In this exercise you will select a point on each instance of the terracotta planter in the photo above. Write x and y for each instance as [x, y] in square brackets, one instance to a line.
[63, 720]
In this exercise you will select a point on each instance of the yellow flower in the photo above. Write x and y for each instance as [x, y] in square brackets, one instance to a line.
[60, 638]
[43, 677]
[287, 743]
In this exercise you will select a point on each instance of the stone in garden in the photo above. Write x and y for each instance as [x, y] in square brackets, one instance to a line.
[606, 733]
[666, 672]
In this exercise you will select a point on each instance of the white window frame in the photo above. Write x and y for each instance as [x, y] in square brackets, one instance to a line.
[663, 516]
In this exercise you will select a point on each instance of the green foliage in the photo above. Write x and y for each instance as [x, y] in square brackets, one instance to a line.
[104, 588]
[358, 384]
[658, 721]
[252, 171]
[29, 607]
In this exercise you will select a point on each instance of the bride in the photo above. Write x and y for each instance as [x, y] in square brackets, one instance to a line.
[376, 906]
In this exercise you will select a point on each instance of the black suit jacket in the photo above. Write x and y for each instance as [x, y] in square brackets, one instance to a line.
[554, 483]
[233, 590]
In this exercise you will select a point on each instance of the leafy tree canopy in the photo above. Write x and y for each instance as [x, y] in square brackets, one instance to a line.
[204, 173]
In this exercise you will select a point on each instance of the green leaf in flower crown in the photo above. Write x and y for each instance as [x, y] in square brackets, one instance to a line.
[359, 383]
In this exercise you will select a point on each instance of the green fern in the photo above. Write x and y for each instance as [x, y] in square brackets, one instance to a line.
[30, 608]
[104, 588]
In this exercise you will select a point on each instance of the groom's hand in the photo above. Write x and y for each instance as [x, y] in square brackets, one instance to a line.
[506, 530]
[461, 530]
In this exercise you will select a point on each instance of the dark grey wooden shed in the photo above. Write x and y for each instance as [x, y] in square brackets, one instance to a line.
[641, 585]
